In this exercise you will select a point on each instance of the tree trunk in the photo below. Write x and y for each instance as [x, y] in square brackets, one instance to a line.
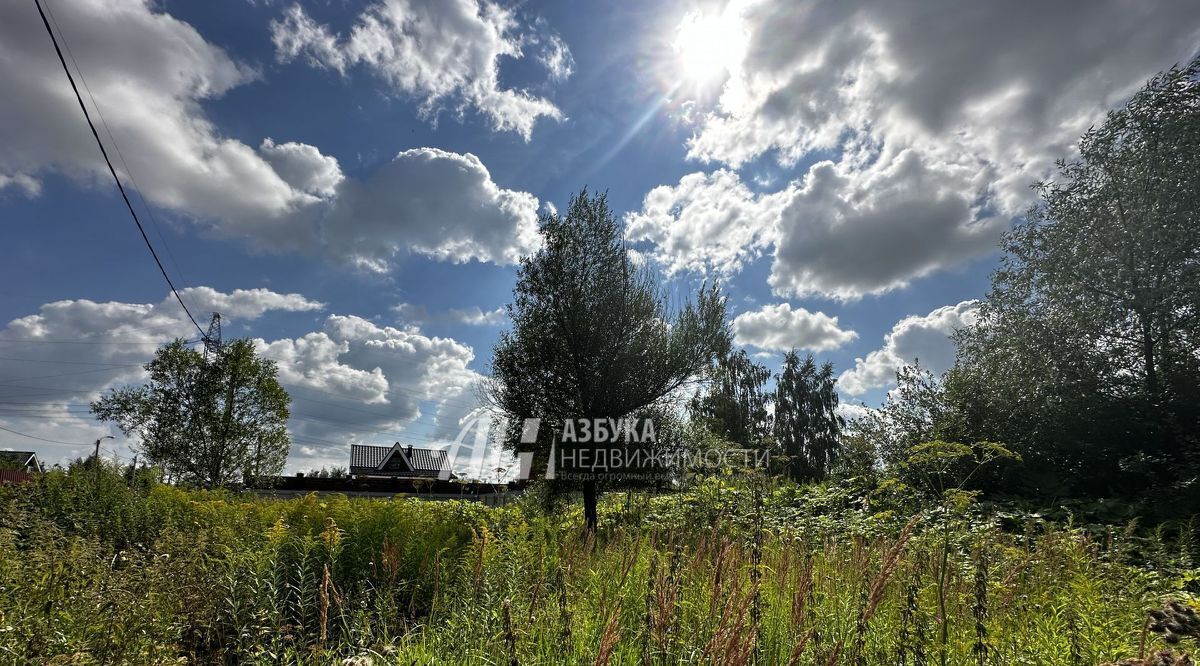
[1148, 361]
[590, 494]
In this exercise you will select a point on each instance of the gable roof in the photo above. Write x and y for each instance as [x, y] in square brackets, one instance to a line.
[365, 458]
[362, 455]
[20, 459]
[427, 459]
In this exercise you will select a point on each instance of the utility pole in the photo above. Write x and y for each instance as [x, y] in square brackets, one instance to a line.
[212, 343]
[96, 455]
[96, 465]
[212, 339]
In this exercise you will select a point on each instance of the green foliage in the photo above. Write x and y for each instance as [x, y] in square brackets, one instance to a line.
[807, 425]
[329, 473]
[916, 411]
[1083, 357]
[210, 422]
[945, 467]
[720, 574]
[592, 335]
[734, 406]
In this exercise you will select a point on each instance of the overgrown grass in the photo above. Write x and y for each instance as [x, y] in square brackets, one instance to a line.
[104, 573]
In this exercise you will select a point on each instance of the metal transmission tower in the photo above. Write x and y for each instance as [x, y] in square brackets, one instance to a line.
[212, 339]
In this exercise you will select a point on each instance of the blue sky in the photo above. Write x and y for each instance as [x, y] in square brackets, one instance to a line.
[350, 183]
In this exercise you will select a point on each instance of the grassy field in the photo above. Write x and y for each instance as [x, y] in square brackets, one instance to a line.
[725, 573]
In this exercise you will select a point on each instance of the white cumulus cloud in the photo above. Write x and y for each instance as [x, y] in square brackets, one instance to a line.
[924, 339]
[436, 50]
[849, 231]
[708, 222]
[778, 327]
[356, 381]
[303, 166]
[919, 131]
[350, 381]
[432, 202]
[151, 75]
[55, 361]
[472, 316]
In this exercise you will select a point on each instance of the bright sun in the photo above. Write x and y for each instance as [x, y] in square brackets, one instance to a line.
[709, 46]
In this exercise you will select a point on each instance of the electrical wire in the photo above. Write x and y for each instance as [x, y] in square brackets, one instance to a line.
[113, 140]
[38, 360]
[40, 439]
[112, 170]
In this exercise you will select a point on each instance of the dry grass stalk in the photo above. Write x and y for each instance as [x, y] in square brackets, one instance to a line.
[667, 590]
[802, 592]
[564, 609]
[832, 660]
[608, 640]
[535, 596]
[798, 651]
[719, 564]
[734, 639]
[629, 558]
[873, 595]
[481, 546]
[651, 595]
[328, 595]
[891, 560]
[323, 593]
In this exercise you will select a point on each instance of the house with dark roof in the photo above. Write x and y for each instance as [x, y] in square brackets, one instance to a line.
[20, 461]
[397, 461]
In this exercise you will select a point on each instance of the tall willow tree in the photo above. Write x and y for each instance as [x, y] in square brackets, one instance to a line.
[807, 425]
[592, 334]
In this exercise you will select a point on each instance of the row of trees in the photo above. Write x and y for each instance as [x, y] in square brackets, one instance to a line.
[1085, 358]
[798, 421]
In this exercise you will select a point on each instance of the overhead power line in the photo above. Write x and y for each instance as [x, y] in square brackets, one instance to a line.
[46, 360]
[40, 439]
[137, 189]
[111, 169]
[85, 342]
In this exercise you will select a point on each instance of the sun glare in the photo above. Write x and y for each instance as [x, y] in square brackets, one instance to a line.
[708, 46]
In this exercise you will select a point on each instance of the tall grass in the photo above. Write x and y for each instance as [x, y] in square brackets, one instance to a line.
[153, 574]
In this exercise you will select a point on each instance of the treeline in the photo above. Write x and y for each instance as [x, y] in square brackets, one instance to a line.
[1081, 371]
[1084, 359]
[797, 422]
